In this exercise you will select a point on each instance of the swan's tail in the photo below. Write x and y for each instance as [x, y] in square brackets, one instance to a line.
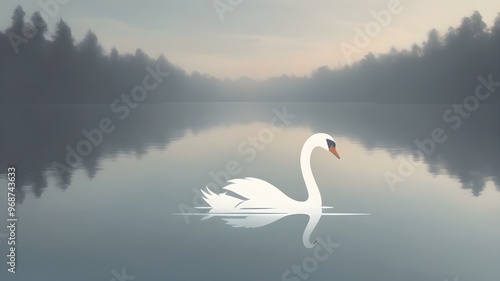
[209, 196]
[220, 202]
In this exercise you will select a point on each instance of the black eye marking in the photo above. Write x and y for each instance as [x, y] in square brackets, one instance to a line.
[330, 143]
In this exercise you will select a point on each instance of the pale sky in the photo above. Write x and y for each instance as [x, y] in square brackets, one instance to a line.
[258, 38]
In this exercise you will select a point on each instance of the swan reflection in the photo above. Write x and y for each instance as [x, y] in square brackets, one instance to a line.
[255, 218]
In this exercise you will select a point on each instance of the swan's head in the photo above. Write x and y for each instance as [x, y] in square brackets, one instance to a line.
[326, 142]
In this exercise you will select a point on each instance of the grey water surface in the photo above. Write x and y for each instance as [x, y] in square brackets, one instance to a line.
[114, 211]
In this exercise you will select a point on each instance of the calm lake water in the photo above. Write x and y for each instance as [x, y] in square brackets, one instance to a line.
[116, 210]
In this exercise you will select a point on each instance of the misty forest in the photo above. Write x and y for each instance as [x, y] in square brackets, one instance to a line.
[444, 69]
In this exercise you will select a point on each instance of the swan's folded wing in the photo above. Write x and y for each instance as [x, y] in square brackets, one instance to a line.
[256, 190]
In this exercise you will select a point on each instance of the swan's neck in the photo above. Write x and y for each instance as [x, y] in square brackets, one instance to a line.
[314, 216]
[314, 197]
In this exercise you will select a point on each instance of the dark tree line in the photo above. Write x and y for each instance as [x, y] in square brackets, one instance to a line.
[34, 69]
[443, 69]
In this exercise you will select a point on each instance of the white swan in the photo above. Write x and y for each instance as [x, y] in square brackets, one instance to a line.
[252, 195]
[254, 203]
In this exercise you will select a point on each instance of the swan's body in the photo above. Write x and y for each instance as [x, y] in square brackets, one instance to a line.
[252, 196]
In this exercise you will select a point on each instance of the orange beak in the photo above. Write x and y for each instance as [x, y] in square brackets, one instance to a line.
[334, 151]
